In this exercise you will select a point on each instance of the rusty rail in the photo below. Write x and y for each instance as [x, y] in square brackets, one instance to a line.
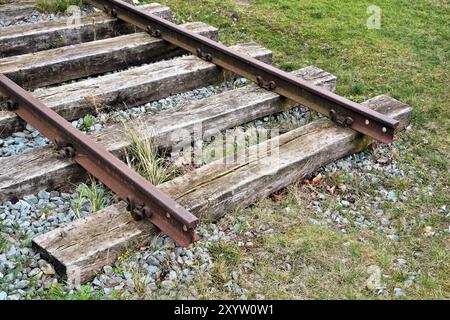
[143, 198]
[340, 110]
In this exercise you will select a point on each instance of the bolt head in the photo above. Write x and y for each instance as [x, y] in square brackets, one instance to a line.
[11, 105]
[272, 85]
[136, 216]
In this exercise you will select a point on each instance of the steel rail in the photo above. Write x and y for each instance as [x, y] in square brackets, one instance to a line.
[341, 110]
[143, 198]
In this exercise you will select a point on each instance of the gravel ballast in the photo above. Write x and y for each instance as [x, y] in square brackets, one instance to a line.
[161, 269]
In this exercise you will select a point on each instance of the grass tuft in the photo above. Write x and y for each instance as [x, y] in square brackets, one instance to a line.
[3, 244]
[143, 156]
[95, 193]
[85, 292]
[88, 122]
[57, 6]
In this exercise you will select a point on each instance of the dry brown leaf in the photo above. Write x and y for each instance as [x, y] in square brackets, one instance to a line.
[316, 179]
[331, 189]
[277, 197]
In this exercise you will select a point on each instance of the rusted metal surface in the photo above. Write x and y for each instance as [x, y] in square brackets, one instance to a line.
[143, 198]
[341, 110]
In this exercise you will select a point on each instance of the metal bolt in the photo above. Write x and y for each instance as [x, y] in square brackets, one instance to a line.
[185, 228]
[384, 130]
[136, 216]
[114, 13]
[153, 32]
[367, 122]
[69, 151]
[204, 56]
[259, 81]
[272, 85]
[348, 121]
[11, 105]
[138, 212]
[168, 215]
[130, 203]
[146, 212]
[333, 115]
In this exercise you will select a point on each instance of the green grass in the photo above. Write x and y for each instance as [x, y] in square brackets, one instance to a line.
[226, 257]
[408, 59]
[230, 253]
[143, 157]
[57, 6]
[95, 193]
[58, 292]
[3, 244]
[88, 122]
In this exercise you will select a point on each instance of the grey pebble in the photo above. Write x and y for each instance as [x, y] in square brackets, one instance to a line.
[43, 195]
[108, 270]
[398, 292]
[168, 284]
[392, 196]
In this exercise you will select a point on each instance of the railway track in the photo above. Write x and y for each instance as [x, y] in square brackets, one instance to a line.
[127, 57]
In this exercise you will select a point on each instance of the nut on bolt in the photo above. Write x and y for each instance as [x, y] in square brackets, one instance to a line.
[260, 81]
[205, 56]
[11, 105]
[69, 151]
[348, 121]
[130, 203]
[272, 85]
[146, 212]
[153, 32]
[138, 212]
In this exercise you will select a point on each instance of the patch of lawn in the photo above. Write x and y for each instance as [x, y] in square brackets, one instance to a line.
[3, 244]
[95, 193]
[226, 257]
[85, 292]
[57, 6]
[408, 59]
